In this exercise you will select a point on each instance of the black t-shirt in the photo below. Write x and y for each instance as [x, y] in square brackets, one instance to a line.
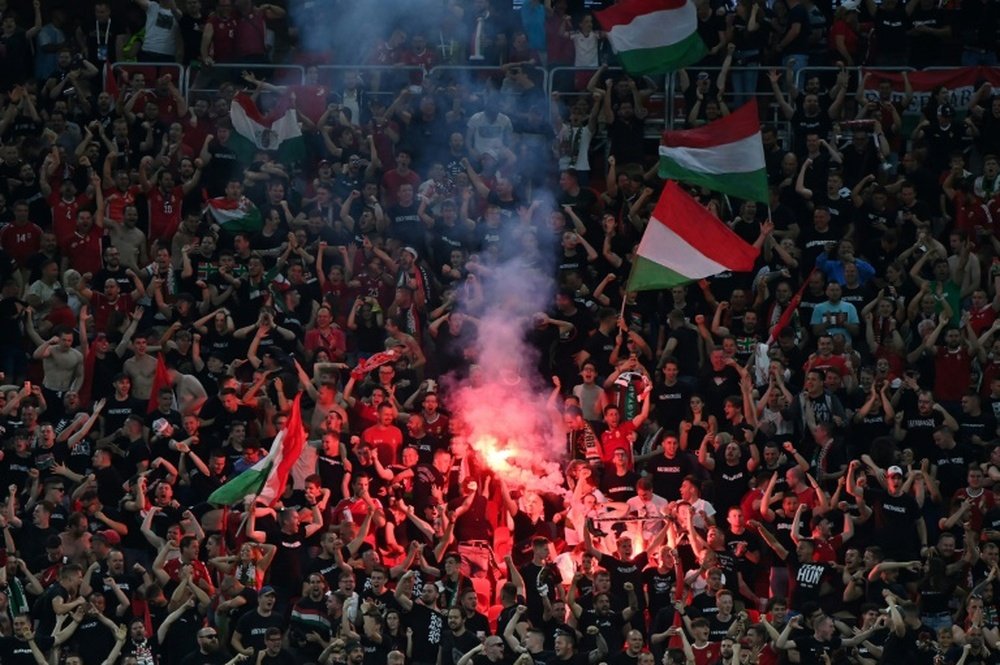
[668, 473]
[453, 646]
[811, 649]
[289, 560]
[895, 517]
[670, 403]
[805, 579]
[17, 652]
[252, 627]
[429, 625]
[618, 488]
[798, 14]
[890, 30]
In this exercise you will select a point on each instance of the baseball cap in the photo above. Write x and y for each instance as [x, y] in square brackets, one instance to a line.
[352, 645]
[894, 471]
[161, 426]
[267, 590]
[851, 5]
[109, 536]
[412, 251]
[702, 76]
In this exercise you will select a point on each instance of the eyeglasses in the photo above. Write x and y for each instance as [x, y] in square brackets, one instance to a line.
[209, 636]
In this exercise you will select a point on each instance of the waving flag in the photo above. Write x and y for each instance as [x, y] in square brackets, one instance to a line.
[277, 131]
[726, 155]
[684, 242]
[653, 36]
[235, 215]
[267, 478]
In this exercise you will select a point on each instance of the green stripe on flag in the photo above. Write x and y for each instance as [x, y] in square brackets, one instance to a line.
[751, 185]
[664, 58]
[647, 275]
[248, 483]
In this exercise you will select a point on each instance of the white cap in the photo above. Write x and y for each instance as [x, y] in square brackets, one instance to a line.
[894, 471]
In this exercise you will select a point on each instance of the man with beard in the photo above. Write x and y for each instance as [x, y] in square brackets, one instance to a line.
[423, 617]
[457, 640]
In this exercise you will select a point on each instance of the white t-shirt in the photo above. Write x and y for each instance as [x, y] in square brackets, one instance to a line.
[574, 147]
[585, 49]
[488, 135]
[161, 30]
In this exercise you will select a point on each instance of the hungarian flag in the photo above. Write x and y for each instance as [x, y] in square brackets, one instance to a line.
[726, 155]
[684, 242]
[786, 316]
[653, 36]
[160, 380]
[277, 131]
[267, 478]
[235, 215]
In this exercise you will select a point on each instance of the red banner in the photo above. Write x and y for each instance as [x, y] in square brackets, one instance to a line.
[961, 83]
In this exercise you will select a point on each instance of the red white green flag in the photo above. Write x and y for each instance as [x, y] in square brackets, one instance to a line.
[684, 242]
[266, 479]
[653, 36]
[726, 155]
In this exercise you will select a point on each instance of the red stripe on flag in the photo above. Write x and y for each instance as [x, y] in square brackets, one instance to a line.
[793, 304]
[250, 108]
[627, 11]
[291, 448]
[702, 230]
[739, 124]
[160, 380]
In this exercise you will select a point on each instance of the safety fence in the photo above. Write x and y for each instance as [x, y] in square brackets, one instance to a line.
[666, 99]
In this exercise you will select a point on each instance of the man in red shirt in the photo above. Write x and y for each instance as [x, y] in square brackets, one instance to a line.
[189, 557]
[111, 308]
[21, 239]
[65, 202]
[120, 192]
[952, 363]
[82, 251]
[384, 437]
[399, 176]
[618, 434]
[218, 37]
[165, 198]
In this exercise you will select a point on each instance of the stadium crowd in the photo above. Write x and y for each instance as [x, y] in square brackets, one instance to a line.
[823, 494]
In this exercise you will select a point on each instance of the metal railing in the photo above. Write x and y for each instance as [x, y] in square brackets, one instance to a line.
[230, 72]
[151, 71]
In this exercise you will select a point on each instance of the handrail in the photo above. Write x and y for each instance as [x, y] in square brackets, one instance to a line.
[239, 67]
[180, 80]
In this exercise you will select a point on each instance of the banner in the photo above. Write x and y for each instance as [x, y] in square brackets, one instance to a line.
[961, 83]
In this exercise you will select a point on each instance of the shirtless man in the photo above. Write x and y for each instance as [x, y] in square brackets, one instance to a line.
[61, 363]
[141, 368]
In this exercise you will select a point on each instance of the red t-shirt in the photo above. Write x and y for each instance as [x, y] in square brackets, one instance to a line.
[223, 38]
[64, 214]
[21, 242]
[823, 364]
[198, 571]
[981, 505]
[392, 181]
[164, 212]
[84, 251]
[104, 308]
[982, 319]
[951, 374]
[385, 441]
[617, 439]
[115, 202]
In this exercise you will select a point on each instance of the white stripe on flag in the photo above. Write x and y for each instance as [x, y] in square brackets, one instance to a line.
[742, 156]
[664, 246]
[656, 29]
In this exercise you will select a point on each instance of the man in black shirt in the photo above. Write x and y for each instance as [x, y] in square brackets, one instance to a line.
[823, 640]
[426, 621]
[249, 636]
